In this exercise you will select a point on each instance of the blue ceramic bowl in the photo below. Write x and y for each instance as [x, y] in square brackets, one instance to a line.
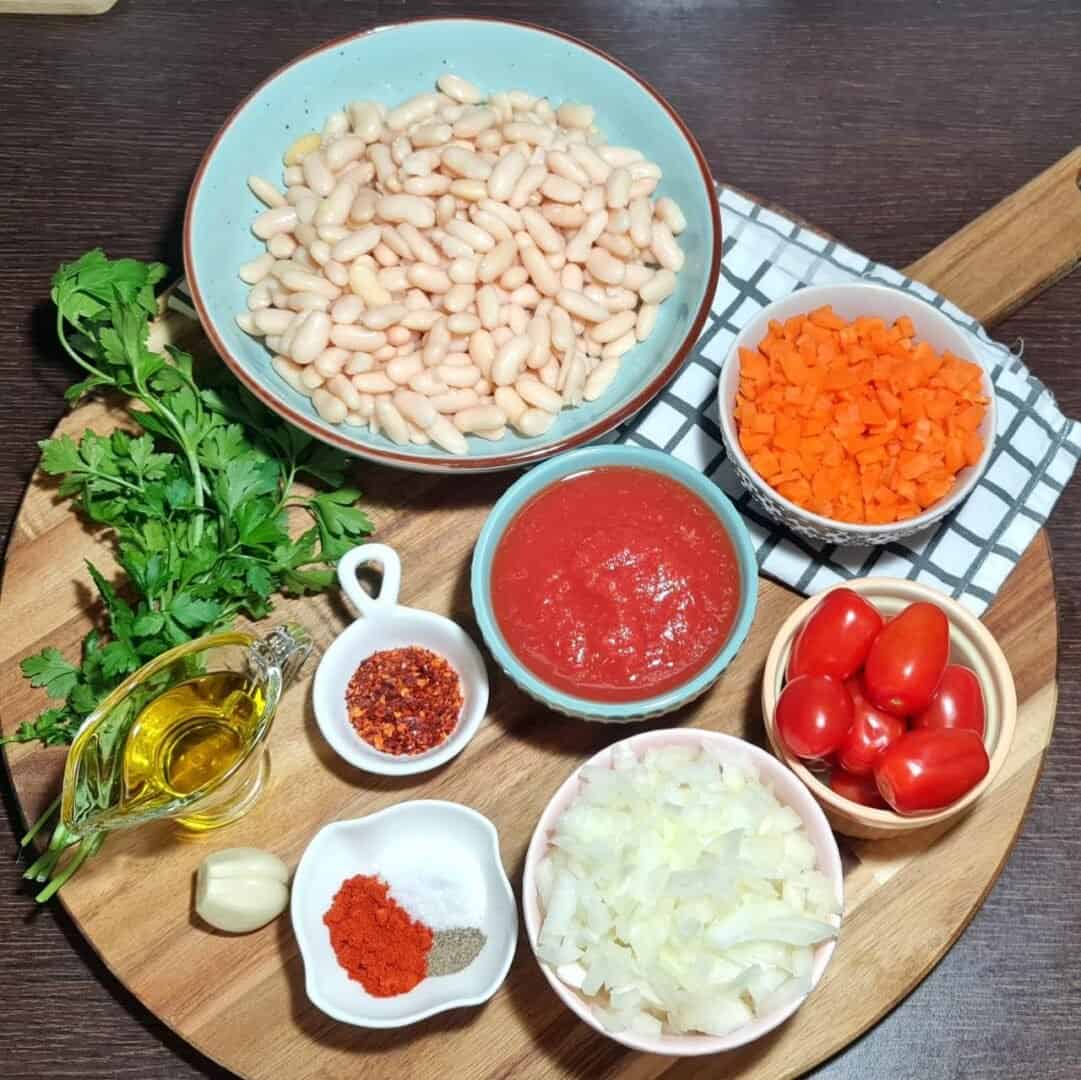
[391, 64]
[535, 481]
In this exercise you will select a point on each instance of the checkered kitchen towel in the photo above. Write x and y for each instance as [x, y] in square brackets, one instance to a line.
[970, 553]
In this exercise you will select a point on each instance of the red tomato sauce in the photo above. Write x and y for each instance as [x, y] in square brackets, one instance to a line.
[615, 585]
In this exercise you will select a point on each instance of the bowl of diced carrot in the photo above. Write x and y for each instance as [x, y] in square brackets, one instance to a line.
[855, 414]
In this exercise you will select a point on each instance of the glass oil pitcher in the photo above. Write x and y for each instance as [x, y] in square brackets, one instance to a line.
[183, 738]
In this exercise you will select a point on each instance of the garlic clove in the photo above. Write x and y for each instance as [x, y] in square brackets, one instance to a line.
[241, 889]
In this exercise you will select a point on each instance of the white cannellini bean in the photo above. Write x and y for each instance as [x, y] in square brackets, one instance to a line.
[334, 210]
[281, 245]
[366, 120]
[311, 337]
[246, 321]
[418, 244]
[343, 151]
[427, 383]
[513, 278]
[601, 378]
[641, 214]
[346, 309]
[331, 361]
[540, 229]
[251, 273]
[458, 298]
[391, 421]
[622, 344]
[562, 331]
[645, 321]
[443, 433]
[459, 376]
[668, 211]
[614, 327]
[539, 333]
[420, 319]
[306, 281]
[435, 184]
[301, 148]
[358, 362]
[540, 272]
[429, 278]
[317, 174]
[496, 262]
[528, 182]
[605, 267]
[578, 304]
[573, 115]
[459, 89]
[464, 322]
[506, 174]
[474, 123]
[292, 175]
[465, 164]
[578, 247]
[373, 382]
[510, 359]
[563, 217]
[364, 282]
[279, 219]
[463, 271]
[289, 371]
[509, 402]
[533, 422]
[533, 392]
[424, 136]
[454, 400]
[416, 408]
[641, 189]
[411, 208]
[271, 320]
[356, 243]
[329, 406]
[468, 233]
[413, 111]
[357, 339]
[402, 368]
[266, 192]
[363, 208]
[307, 301]
[482, 350]
[561, 190]
[507, 214]
[381, 317]
[665, 249]
[319, 250]
[659, 287]
[524, 296]
[469, 190]
[479, 418]
[341, 386]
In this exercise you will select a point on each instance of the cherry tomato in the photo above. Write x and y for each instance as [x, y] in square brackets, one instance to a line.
[836, 637]
[857, 789]
[931, 768]
[872, 731]
[814, 713]
[907, 659]
[957, 703]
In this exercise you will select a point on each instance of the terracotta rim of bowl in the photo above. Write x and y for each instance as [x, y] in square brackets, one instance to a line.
[973, 628]
[824, 526]
[451, 462]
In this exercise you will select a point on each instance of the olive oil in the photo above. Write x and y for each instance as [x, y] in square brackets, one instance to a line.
[188, 737]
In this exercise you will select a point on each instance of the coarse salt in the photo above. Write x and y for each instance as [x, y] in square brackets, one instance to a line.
[442, 888]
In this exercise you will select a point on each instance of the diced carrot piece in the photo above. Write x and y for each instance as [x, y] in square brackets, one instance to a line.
[752, 442]
[827, 318]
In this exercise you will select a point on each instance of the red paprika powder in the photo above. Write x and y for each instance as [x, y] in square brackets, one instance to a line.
[375, 940]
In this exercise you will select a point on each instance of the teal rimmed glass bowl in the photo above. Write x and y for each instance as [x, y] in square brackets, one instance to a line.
[578, 461]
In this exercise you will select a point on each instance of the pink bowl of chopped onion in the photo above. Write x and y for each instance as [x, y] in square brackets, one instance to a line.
[753, 889]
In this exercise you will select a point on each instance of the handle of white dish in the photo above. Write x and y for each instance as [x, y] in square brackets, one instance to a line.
[386, 558]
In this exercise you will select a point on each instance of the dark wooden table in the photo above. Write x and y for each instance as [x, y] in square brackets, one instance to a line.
[888, 125]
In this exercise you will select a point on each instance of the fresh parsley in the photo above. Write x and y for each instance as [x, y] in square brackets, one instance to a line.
[198, 498]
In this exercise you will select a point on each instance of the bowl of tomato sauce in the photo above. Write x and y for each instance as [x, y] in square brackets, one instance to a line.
[614, 583]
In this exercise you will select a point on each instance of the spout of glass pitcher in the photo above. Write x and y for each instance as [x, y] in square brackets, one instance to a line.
[279, 656]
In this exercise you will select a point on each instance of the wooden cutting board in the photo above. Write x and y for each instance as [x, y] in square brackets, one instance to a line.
[241, 1000]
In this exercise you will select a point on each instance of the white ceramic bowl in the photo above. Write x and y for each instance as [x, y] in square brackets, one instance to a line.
[971, 644]
[384, 624]
[788, 789]
[332, 856]
[850, 300]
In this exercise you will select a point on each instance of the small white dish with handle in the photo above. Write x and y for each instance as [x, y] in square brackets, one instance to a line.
[385, 624]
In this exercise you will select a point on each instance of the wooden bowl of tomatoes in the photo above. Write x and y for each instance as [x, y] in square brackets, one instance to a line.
[891, 702]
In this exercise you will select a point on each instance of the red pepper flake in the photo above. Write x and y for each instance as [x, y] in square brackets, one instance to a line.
[404, 701]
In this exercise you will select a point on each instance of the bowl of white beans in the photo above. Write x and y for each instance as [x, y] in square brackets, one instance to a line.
[453, 244]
